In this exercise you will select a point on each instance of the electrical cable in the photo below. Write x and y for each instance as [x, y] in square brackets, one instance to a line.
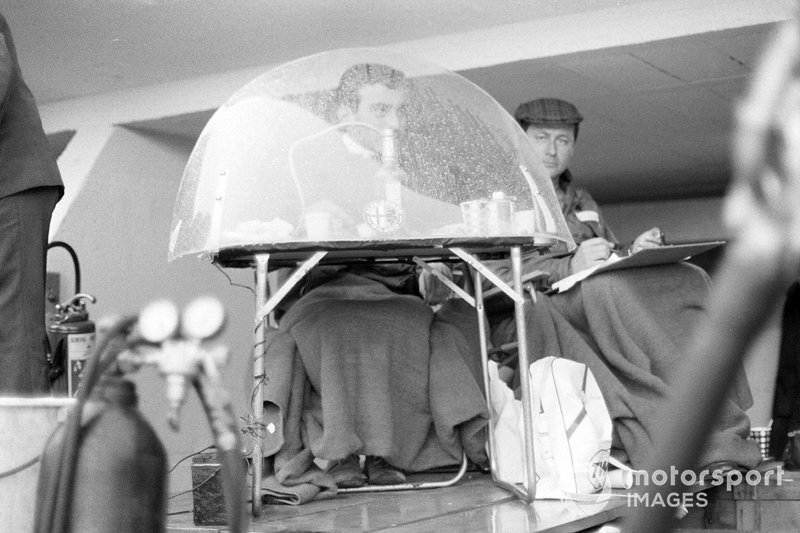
[19, 468]
[206, 480]
[189, 457]
[230, 281]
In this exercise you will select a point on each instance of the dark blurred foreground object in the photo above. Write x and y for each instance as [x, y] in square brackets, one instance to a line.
[759, 265]
[120, 480]
[791, 456]
[104, 470]
[786, 406]
[30, 186]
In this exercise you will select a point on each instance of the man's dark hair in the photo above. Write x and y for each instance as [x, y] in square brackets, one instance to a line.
[363, 74]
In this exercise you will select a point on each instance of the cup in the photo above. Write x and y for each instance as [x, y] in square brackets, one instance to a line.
[501, 212]
[525, 222]
[762, 436]
[318, 225]
[475, 217]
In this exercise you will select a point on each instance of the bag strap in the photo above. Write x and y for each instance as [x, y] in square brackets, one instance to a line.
[583, 414]
[577, 422]
[585, 378]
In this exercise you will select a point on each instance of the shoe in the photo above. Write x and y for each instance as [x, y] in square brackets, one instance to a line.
[347, 472]
[379, 472]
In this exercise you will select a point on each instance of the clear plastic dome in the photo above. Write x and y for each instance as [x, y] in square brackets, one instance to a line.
[359, 145]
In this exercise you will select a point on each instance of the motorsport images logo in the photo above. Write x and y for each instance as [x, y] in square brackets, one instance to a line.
[687, 488]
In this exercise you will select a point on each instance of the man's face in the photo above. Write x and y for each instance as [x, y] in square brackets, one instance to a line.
[555, 146]
[381, 108]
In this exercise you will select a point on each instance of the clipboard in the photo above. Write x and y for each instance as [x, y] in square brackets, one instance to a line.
[663, 255]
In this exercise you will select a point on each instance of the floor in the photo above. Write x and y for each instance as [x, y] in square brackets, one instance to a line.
[477, 504]
[473, 504]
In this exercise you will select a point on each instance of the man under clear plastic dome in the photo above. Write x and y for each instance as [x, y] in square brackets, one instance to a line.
[368, 370]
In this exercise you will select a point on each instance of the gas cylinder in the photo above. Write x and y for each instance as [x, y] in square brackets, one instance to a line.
[71, 336]
[120, 475]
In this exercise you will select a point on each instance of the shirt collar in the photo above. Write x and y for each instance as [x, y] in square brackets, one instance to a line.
[565, 179]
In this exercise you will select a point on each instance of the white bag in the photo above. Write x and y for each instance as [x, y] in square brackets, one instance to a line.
[506, 415]
[571, 429]
[571, 426]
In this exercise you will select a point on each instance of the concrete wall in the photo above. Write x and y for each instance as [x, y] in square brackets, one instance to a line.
[680, 220]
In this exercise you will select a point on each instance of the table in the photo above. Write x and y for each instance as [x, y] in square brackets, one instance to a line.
[305, 255]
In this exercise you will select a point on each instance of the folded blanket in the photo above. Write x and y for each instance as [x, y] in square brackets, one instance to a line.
[274, 492]
[298, 481]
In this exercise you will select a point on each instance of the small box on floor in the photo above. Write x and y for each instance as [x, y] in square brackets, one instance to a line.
[207, 498]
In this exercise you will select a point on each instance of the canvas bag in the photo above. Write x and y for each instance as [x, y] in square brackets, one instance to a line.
[571, 426]
[508, 441]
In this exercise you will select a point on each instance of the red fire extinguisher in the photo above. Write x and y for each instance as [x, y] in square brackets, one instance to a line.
[71, 336]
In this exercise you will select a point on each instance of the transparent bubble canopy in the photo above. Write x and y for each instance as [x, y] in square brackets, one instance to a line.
[361, 145]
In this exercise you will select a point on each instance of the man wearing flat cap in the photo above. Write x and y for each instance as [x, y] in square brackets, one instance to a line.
[629, 326]
[552, 126]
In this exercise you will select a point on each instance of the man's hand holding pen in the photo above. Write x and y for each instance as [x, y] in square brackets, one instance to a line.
[594, 251]
[590, 253]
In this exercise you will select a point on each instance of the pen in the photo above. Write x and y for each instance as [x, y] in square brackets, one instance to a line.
[620, 249]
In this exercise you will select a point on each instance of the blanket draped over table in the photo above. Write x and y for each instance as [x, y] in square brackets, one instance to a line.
[631, 328]
[358, 369]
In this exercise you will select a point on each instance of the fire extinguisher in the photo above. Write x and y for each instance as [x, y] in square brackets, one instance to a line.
[71, 336]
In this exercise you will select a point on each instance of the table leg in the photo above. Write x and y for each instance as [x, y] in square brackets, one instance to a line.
[257, 456]
[484, 342]
[524, 365]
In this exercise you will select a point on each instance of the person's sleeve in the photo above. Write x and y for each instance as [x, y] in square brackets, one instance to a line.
[7, 62]
[555, 264]
[602, 227]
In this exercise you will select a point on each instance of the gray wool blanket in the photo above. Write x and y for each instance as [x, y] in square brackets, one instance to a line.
[630, 327]
[358, 369]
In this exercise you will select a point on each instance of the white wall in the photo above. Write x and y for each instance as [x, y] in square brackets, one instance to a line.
[119, 226]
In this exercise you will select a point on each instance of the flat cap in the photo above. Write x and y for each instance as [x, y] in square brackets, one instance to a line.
[548, 111]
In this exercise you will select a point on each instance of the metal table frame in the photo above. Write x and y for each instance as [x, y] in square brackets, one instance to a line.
[308, 255]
